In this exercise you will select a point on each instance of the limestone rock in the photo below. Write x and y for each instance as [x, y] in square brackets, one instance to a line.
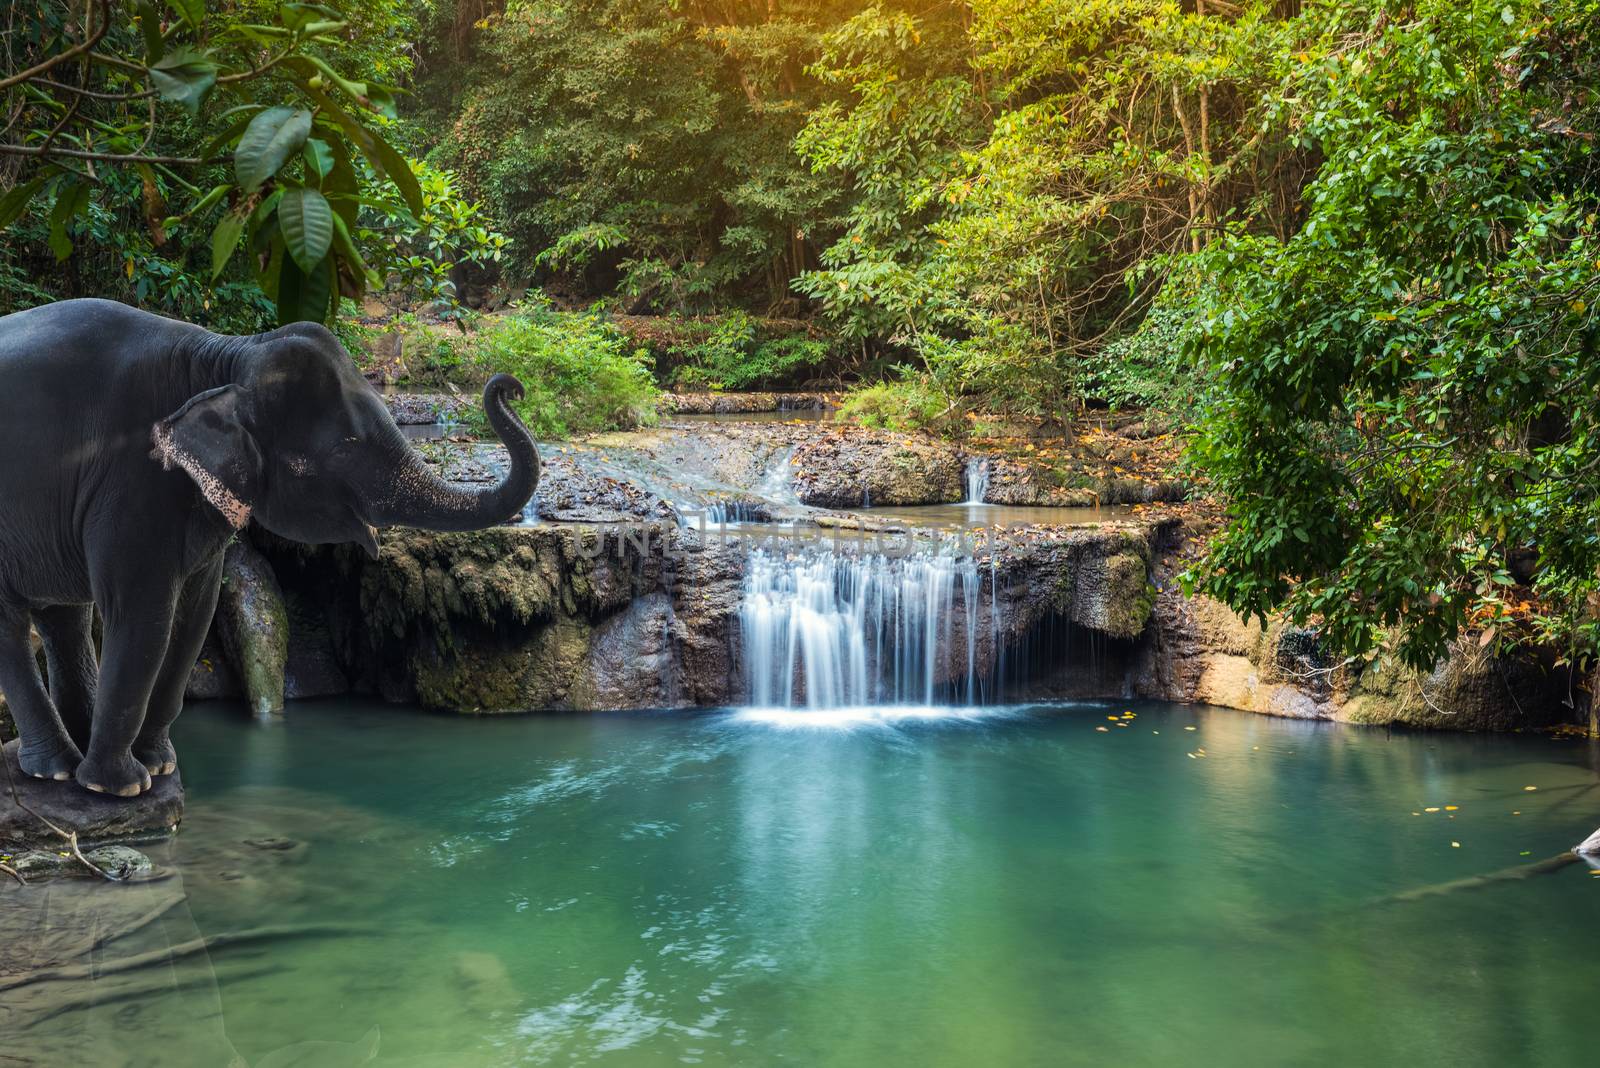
[1466, 690]
[856, 469]
[96, 817]
[253, 622]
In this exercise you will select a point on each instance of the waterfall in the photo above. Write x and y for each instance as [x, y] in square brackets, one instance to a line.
[977, 479]
[726, 513]
[830, 629]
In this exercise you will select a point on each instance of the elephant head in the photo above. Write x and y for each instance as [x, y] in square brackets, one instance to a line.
[299, 441]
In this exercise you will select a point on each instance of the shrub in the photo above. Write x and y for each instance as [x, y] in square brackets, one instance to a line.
[729, 352]
[579, 372]
[911, 403]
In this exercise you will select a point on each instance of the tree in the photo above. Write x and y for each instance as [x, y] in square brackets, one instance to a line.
[644, 150]
[238, 116]
[1021, 168]
[1402, 420]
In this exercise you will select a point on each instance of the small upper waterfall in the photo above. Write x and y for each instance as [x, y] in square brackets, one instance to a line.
[977, 479]
[729, 513]
[832, 629]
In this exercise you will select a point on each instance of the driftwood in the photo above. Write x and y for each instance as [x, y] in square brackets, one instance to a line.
[1477, 882]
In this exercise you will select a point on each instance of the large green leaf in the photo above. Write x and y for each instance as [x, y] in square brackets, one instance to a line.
[185, 76]
[347, 248]
[307, 224]
[193, 11]
[224, 239]
[378, 152]
[150, 27]
[303, 296]
[16, 200]
[398, 171]
[72, 198]
[270, 139]
[319, 156]
[297, 16]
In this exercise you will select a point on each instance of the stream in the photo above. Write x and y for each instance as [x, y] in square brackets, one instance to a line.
[1080, 884]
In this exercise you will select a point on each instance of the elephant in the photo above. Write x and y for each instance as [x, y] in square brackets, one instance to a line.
[133, 447]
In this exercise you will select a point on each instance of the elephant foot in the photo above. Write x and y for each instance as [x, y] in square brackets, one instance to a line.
[157, 757]
[119, 776]
[57, 759]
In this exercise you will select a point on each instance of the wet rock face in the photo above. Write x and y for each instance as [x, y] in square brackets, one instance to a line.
[555, 618]
[571, 493]
[853, 469]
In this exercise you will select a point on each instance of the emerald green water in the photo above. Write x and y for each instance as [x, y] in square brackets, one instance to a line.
[1012, 889]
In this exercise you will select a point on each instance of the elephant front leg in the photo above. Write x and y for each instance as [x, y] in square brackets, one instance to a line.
[196, 605]
[46, 752]
[134, 646]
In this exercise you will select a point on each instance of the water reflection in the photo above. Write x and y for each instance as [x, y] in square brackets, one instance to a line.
[936, 890]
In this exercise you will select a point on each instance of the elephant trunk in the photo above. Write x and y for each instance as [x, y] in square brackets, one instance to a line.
[416, 497]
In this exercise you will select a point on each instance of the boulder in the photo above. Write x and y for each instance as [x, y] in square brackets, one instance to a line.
[95, 817]
[853, 469]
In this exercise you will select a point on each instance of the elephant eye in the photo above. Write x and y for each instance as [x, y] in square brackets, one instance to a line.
[300, 465]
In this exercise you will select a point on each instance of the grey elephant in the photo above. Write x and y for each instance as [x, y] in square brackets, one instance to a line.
[132, 448]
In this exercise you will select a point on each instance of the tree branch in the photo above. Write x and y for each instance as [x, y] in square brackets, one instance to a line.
[76, 50]
[107, 157]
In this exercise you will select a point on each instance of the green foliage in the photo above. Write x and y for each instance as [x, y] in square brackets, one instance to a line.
[641, 150]
[234, 143]
[580, 372]
[1147, 367]
[730, 352]
[1402, 416]
[1018, 166]
[906, 403]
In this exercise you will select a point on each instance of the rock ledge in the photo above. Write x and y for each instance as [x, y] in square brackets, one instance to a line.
[95, 817]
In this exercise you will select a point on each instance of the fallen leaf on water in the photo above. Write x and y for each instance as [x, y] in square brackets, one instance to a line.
[1455, 845]
[1530, 788]
[1106, 730]
[1452, 808]
[1191, 728]
[1434, 809]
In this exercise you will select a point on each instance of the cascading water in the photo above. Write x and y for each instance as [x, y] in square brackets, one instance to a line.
[730, 513]
[977, 479]
[832, 629]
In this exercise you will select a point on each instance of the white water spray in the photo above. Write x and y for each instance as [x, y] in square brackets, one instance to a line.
[977, 479]
[827, 630]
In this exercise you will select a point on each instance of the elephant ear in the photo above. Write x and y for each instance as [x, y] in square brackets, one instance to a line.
[208, 440]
